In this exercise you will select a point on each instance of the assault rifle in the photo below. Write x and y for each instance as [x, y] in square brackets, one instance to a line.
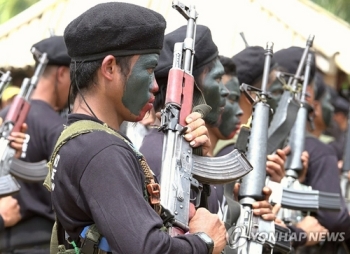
[4, 81]
[244, 39]
[251, 234]
[288, 106]
[14, 119]
[181, 170]
[291, 194]
[344, 179]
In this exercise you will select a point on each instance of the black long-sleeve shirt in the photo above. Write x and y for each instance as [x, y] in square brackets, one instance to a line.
[323, 175]
[44, 127]
[99, 180]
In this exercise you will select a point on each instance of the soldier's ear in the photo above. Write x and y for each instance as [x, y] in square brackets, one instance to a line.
[108, 67]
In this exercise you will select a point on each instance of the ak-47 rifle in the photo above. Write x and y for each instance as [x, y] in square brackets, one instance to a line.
[288, 106]
[4, 81]
[293, 196]
[251, 234]
[15, 117]
[181, 170]
[344, 179]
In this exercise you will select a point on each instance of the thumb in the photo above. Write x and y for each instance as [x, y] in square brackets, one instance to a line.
[158, 115]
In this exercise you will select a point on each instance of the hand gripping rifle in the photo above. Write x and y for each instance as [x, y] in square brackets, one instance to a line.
[4, 81]
[15, 117]
[288, 106]
[344, 179]
[252, 234]
[181, 170]
[291, 194]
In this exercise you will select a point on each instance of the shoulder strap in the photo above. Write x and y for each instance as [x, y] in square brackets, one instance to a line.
[76, 129]
[152, 189]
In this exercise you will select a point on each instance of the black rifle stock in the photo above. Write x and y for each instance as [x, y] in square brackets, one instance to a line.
[344, 178]
[13, 122]
[251, 234]
[4, 81]
[288, 106]
[291, 194]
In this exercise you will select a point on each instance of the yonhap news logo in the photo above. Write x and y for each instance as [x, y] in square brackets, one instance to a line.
[237, 237]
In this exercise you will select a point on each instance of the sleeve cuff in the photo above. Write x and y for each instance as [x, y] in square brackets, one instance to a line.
[298, 236]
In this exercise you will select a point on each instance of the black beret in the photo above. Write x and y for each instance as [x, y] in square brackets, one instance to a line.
[340, 104]
[229, 65]
[205, 49]
[250, 64]
[56, 50]
[115, 28]
[289, 59]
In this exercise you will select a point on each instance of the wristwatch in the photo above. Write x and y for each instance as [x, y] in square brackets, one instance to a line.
[208, 241]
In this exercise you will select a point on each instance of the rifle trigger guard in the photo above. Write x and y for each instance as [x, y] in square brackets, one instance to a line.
[198, 188]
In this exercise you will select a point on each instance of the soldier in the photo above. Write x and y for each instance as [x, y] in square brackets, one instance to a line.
[322, 163]
[97, 177]
[44, 127]
[208, 73]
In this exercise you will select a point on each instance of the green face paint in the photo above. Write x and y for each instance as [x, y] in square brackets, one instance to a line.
[230, 120]
[327, 109]
[214, 93]
[276, 90]
[137, 96]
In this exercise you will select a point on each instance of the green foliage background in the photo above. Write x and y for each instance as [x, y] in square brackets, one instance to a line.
[340, 8]
[10, 8]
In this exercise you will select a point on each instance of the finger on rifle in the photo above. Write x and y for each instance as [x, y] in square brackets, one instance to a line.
[18, 140]
[269, 216]
[275, 171]
[159, 115]
[261, 205]
[236, 191]
[192, 211]
[194, 125]
[193, 117]
[277, 158]
[276, 208]
[198, 137]
[267, 192]
[24, 128]
[286, 150]
[264, 212]
[17, 147]
[17, 134]
[282, 155]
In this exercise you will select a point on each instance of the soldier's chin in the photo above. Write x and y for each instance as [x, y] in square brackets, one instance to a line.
[143, 111]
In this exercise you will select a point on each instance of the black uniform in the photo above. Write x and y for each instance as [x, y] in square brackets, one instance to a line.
[152, 147]
[98, 179]
[323, 175]
[44, 127]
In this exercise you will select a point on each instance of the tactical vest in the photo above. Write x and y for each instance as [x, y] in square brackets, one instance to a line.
[93, 237]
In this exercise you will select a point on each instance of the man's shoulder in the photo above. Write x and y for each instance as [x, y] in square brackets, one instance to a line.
[317, 148]
[42, 110]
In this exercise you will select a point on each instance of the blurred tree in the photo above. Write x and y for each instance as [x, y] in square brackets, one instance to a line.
[10, 8]
[340, 8]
